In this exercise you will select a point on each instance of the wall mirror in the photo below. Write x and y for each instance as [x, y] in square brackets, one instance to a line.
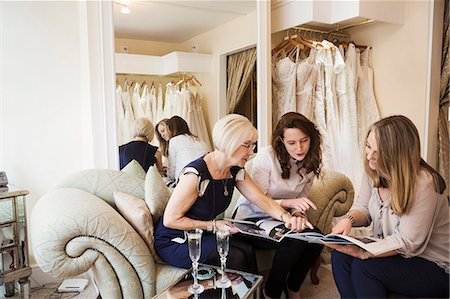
[191, 83]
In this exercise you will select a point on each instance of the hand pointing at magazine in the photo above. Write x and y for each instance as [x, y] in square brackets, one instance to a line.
[296, 223]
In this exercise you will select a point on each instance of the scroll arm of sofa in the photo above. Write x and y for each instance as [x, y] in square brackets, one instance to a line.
[73, 231]
[333, 194]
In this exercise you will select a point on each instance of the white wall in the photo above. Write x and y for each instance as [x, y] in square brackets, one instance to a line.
[46, 129]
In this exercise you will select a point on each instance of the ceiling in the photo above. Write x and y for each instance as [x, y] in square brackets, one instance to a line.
[175, 21]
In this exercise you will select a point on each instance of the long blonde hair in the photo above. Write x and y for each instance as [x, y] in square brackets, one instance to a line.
[399, 161]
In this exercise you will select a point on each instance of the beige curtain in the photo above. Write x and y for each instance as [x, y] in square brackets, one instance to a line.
[443, 130]
[239, 72]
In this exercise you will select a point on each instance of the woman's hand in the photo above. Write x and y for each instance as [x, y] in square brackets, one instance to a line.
[352, 250]
[301, 204]
[297, 223]
[226, 225]
[342, 227]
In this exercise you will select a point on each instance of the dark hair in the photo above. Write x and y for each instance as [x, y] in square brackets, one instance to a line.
[313, 159]
[179, 126]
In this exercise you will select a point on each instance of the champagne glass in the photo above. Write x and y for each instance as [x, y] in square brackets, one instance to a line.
[195, 246]
[223, 244]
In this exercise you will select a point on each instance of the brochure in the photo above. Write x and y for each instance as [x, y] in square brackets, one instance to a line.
[275, 230]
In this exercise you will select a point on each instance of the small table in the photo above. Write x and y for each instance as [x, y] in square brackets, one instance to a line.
[14, 264]
[244, 285]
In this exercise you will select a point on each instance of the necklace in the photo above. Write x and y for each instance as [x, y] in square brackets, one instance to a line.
[224, 182]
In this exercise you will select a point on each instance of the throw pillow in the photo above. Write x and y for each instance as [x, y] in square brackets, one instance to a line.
[136, 212]
[156, 193]
[134, 168]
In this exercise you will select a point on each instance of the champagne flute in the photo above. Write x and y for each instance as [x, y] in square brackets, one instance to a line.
[195, 246]
[223, 244]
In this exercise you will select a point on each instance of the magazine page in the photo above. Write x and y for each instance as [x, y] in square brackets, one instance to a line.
[266, 228]
[370, 244]
[274, 228]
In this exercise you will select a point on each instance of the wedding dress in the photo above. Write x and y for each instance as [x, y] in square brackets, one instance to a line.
[367, 108]
[284, 78]
[306, 81]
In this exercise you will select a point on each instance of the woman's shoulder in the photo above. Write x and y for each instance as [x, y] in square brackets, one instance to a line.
[425, 181]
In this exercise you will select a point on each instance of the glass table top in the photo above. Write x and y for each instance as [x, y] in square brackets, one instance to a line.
[243, 285]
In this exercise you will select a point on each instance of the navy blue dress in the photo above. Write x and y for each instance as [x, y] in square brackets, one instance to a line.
[140, 151]
[207, 206]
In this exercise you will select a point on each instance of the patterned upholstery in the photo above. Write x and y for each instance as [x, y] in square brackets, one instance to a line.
[76, 228]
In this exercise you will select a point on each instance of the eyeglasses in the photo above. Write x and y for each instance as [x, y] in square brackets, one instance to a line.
[248, 146]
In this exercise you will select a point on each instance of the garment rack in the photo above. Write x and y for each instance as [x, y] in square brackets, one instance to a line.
[335, 32]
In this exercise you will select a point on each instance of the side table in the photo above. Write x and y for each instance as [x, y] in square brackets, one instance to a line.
[14, 264]
[244, 285]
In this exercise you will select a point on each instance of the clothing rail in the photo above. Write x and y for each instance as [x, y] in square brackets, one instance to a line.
[335, 32]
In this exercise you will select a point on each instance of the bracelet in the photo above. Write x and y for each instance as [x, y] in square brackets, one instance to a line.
[365, 255]
[281, 216]
[210, 226]
[351, 218]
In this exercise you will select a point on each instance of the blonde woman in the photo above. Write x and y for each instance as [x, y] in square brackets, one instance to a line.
[204, 191]
[139, 148]
[403, 197]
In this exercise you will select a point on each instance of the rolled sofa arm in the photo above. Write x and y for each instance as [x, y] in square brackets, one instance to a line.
[73, 231]
[333, 194]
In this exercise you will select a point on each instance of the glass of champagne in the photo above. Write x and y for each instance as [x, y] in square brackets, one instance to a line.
[195, 246]
[223, 244]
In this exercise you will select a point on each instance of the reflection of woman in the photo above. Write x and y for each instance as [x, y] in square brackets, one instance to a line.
[286, 171]
[403, 197]
[204, 191]
[163, 135]
[139, 149]
[184, 147]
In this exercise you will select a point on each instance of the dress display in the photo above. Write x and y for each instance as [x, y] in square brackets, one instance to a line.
[156, 104]
[334, 89]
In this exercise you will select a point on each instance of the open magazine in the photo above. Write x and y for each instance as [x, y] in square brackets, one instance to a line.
[275, 230]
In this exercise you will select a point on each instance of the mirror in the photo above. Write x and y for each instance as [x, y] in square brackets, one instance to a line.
[185, 83]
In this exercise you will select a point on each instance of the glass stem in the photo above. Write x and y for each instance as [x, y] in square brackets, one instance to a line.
[195, 266]
[223, 260]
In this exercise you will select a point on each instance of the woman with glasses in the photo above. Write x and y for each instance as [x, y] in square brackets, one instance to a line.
[205, 189]
[285, 171]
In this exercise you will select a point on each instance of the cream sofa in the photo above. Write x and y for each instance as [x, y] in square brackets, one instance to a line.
[76, 228]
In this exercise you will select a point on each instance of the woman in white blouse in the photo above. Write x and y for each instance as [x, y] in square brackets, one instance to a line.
[184, 147]
[403, 197]
[285, 171]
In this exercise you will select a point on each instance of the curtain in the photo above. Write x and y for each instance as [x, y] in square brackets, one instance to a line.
[443, 129]
[239, 72]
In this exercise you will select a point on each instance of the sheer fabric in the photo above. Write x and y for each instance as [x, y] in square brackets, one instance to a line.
[240, 68]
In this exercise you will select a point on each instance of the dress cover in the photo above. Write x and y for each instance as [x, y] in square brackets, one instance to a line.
[210, 203]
